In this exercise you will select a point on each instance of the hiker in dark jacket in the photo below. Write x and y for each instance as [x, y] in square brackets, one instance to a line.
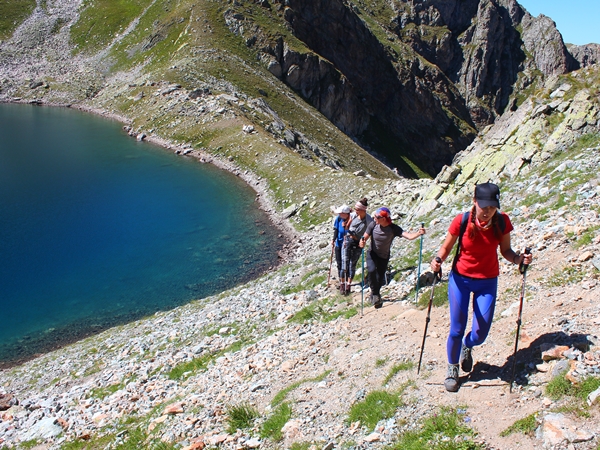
[475, 270]
[382, 232]
[340, 229]
[359, 220]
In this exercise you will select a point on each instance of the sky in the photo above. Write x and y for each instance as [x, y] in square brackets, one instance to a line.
[577, 20]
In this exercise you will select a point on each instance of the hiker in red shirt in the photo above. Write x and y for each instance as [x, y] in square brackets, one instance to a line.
[475, 270]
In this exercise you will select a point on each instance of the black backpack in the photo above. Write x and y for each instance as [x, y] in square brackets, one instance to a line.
[463, 227]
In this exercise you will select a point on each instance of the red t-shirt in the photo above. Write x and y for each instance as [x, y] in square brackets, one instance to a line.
[478, 257]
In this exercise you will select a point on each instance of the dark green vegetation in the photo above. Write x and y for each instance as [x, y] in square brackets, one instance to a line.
[271, 428]
[526, 425]
[560, 386]
[12, 14]
[445, 430]
[376, 406]
[240, 417]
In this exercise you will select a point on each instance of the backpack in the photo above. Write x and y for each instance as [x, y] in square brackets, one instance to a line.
[463, 227]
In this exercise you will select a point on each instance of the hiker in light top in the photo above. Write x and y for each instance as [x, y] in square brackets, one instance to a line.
[340, 229]
[475, 270]
[359, 220]
[382, 231]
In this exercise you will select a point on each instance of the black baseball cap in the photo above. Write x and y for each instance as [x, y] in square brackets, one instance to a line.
[487, 194]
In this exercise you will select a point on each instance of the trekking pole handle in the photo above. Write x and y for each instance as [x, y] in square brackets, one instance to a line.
[438, 274]
[523, 267]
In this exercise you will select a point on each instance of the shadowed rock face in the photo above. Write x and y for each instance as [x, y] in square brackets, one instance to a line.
[406, 98]
[463, 63]
[585, 55]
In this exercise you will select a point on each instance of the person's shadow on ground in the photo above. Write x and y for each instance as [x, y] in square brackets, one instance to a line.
[526, 359]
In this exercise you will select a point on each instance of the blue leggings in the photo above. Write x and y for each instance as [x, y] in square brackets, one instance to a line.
[484, 301]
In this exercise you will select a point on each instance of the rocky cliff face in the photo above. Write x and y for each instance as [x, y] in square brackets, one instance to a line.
[426, 74]
[585, 55]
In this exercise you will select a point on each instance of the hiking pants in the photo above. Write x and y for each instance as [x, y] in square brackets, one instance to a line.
[484, 301]
[339, 262]
[376, 267]
[353, 252]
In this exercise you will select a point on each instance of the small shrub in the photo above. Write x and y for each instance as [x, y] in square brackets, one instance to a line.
[241, 417]
[526, 426]
[376, 406]
[271, 428]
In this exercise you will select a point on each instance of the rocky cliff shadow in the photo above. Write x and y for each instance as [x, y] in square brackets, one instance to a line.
[527, 358]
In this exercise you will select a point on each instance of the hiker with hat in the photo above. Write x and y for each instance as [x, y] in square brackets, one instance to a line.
[382, 232]
[340, 229]
[359, 220]
[475, 270]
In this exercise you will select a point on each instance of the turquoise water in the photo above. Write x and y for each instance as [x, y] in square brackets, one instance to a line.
[97, 229]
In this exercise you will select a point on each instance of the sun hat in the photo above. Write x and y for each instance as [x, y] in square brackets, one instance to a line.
[344, 209]
[487, 194]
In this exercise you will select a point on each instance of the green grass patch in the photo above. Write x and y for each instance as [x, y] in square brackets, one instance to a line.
[241, 417]
[377, 405]
[559, 387]
[302, 445]
[440, 295]
[281, 395]
[445, 430]
[309, 281]
[12, 14]
[325, 310]
[565, 276]
[271, 428]
[380, 362]
[101, 20]
[396, 368]
[526, 425]
[585, 238]
[103, 392]
[202, 362]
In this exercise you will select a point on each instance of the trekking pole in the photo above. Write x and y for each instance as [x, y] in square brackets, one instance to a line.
[330, 262]
[419, 267]
[362, 290]
[523, 270]
[436, 276]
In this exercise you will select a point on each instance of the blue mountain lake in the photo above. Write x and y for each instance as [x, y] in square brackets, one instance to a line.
[97, 229]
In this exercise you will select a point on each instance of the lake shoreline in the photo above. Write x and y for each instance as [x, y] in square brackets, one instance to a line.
[48, 341]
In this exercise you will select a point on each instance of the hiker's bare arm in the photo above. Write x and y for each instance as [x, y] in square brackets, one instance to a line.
[510, 255]
[413, 236]
[443, 252]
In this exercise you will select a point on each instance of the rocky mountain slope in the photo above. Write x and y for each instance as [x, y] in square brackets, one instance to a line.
[288, 339]
[303, 363]
[410, 82]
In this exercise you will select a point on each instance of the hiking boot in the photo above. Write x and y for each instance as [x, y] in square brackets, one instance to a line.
[377, 303]
[451, 382]
[348, 290]
[466, 358]
[343, 288]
